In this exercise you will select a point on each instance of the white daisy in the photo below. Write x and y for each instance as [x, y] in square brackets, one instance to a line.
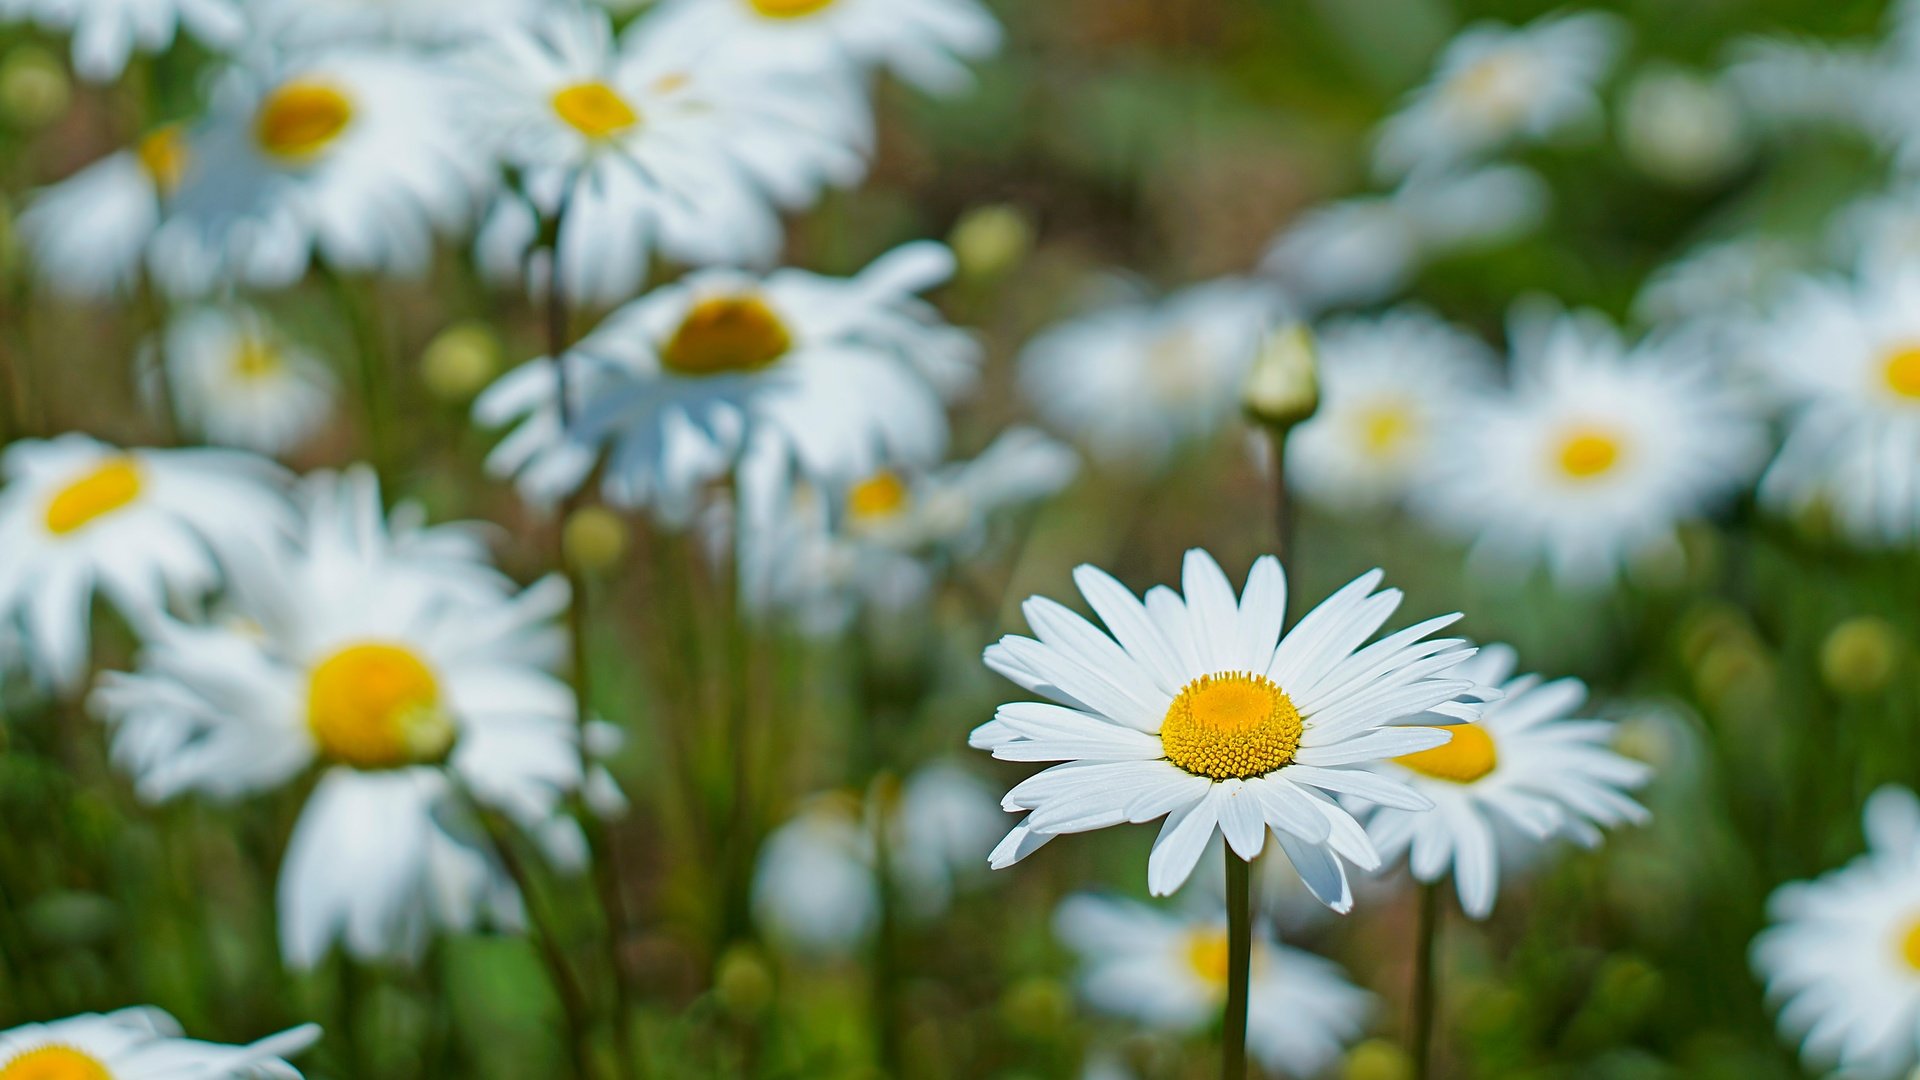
[427, 23]
[1136, 382]
[107, 32]
[1389, 386]
[1721, 285]
[661, 143]
[141, 527]
[237, 381]
[926, 42]
[1198, 709]
[1496, 84]
[1168, 972]
[834, 375]
[90, 234]
[1595, 456]
[1842, 958]
[141, 1044]
[1523, 770]
[1878, 234]
[407, 672]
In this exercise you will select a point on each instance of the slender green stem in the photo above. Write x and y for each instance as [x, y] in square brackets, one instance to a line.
[1283, 522]
[1424, 983]
[1233, 1027]
[886, 941]
[370, 348]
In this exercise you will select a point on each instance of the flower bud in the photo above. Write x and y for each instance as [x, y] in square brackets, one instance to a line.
[459, 361]
[34, 88]
[1284, 386]
[743, 981]
[594, 538]
[1859, 656]
[988, 241]
[1377, 1059]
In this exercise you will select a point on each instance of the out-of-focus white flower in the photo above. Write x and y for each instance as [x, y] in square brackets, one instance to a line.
[90, 234]
[1496, 84]
[412, 674]
[1368, 248]
[1878, 234]
[1790, 83]
[1842, 958]
[663, 143]
[1168, 971]
[299, 24]
[1596, 454]
[1719, 285]
[107, 32]
[237, 381]
[141, 1044]
[1524, 768]
[1682, 127]
[142, 527]
[1137, 382]
[1389, 387]
[834, 376]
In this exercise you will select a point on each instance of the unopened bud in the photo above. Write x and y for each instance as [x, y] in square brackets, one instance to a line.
[990, 240]
[595, 538]
[743, 981]
[1377, 1059]
[1858, 657]
[459, 361]
[34, 88]
[1284, 386]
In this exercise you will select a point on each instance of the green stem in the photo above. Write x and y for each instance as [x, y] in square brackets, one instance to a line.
[886, 943]
[370, 347]
[1233, 1029]
[1424, 983]
[1283, 520]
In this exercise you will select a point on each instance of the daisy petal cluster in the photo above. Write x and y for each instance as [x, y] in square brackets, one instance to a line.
[235, 378]
[141, 1044]
[106, 33]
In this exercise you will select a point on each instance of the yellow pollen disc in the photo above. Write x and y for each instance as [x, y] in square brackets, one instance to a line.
[112, 485]
[55, 1063]
[726, 335]
[1233, 725]
[1910, 944]
[790, 9]
[301, 119]
[1207, 955]
[163, 153]
[1470, 756]
[377, 706]
[878, 496]
[1902, 371]
[1385, 428]
[255, 359]
[594, 109]
[1588, 453]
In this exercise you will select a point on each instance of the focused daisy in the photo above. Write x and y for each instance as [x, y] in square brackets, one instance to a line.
[1524, 771]
[141, 527]
[1168, 971]
[236, 380]
[832, 376]
[1841, 959]
[1137, 382]
[1198, 709]
[107, 32]
[90, 234]
[1496, 84]
[416, 680]
[141, 1044]
[1388, 388]
[1595, 456]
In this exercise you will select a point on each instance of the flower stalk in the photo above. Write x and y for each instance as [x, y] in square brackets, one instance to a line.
[1233, 1040]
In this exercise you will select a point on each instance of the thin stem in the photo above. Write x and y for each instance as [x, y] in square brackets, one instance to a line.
[1424, 983]
[1233, 1028]
[1283, 523]
[886, 943]
[370, 347]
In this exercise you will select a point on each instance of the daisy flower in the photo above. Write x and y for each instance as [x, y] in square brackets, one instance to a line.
[237, 381]
[1724, 284]
[1168, 972]
[1842, 956]
[832, 375]
[141, 527]
[411, 676]
[1596, 454]
[1496, 84]
[1878, 234]
[90, 235]
[1388, 389]
[659, 143]
[423, 23]
[1198, 709]
[107, 32]
[926, 42]
[1136, 382]
[141, 1044]
[1523, 769]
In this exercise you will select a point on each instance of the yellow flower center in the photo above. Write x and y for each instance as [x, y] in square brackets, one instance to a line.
[55, 1063]
[881, 495]
[726, 335]
[377, 706]
[112, 485]
[163, 153]
[1232, 725]
[790, 9]
[1207, 956]
[256, 359]
[1909, 945]
[1385, 428]
[1902, 371]
[594, 109]
[300, 119]
[1497, 84]
[1587, 453]
[1470, 756]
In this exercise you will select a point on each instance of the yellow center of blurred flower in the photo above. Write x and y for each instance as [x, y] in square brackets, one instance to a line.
[1902, 371]
[300, 119]
[1470, 756]
[725, 335]
[1207, 956]
[1587, 453]
[163, 153]
[112, 485]
[255, 359]
[1231, 725]
[881, 495]
[1385, 428]
[377, 706]
[55, 1063]
[1910, 944]
[1496, 84]
[594, 109]
[790, 9]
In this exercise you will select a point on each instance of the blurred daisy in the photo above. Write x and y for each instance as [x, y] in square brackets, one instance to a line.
[833, 375]
[107, 32]
[141, 527]
[1368, 248]
[90, 234]
[1595, 456]
[411, 676]
[926, 42]
[661, 143]
[1865, 87]
[237, 381]
[1496, 84]
[141, 1044]
[1168, 972]
[1389, 386]
[1724, 284]
[1138, 381]
[1198, 709]
[1878, 234]
[1842, 958]
[305, 23]
[1523, 770]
